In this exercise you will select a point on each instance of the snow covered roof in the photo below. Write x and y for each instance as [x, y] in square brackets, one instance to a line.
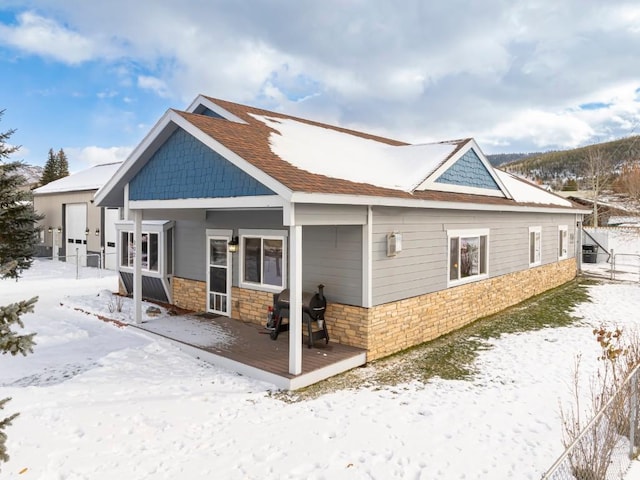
[525, 192]
[90, 179]
[299, 158]
[337, 154]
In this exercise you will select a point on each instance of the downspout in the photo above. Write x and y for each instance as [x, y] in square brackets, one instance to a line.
[578, 246]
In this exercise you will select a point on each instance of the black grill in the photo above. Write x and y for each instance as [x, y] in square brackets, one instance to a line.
[313, 307]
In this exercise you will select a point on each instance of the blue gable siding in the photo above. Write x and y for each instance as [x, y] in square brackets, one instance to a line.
[184, 167]
[210, 113]
[469, 171]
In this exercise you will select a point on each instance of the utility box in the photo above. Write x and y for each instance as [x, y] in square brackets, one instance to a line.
[589, 253]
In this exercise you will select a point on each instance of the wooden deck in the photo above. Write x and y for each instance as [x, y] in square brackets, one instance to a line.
[252, 352]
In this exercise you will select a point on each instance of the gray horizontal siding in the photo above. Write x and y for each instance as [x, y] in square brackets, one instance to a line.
[307, 214]
[190, 241]
[235, 220]
[421, 267]
[332, 255]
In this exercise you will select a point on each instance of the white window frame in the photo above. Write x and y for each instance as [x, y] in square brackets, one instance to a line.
[160, 227]
[145, 266]
[263, 235]
[537, 246]
[563, 242]
[472, 233]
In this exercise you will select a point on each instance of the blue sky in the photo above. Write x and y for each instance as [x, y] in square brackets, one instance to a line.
[93, 77]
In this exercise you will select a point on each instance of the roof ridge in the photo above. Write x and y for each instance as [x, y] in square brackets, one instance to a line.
[245, 115]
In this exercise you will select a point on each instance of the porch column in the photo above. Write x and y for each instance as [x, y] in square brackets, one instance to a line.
[295, 300]
[137, 265]
[367, 260]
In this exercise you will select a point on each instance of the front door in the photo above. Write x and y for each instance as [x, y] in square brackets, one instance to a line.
[218, 276]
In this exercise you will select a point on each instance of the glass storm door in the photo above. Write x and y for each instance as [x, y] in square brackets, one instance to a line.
[219, 276]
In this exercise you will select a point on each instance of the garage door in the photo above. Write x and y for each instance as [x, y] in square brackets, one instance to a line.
[111, 216]
[75, 227]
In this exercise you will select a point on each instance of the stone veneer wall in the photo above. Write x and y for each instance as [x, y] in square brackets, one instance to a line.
[189, 294]
[250, 305]
[392, 327]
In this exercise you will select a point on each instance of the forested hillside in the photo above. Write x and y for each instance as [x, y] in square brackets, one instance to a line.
[572, 164]
[499, 159]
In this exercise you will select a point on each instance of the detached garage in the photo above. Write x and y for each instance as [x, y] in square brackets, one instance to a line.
[73, 228]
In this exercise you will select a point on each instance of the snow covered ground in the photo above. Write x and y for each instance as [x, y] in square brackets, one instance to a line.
[102, 401]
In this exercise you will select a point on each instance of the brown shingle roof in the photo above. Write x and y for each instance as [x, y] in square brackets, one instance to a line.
[251, 142]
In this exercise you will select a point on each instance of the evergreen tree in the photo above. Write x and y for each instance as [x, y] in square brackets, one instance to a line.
[18, 234]
[63, 164]
[49, 172]
[18, 229]
[57, 166]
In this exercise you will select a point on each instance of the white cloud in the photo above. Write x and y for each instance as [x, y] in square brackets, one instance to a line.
[513, 74]
[159, 87]
[542, 129]
[107, 94]
[42, 36]
[81, 158]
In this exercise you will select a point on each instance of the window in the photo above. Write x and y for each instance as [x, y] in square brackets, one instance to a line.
[468, 255]
[263, 261]
[562, 241]
[535, 248]
[149, 250]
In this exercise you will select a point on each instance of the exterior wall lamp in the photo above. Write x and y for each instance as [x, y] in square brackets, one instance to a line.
[233, 245]
[97, 232]
[50, 229]
[86, 232]
[59, 229]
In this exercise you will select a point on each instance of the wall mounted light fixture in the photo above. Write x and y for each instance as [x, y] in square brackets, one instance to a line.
[233, 245]
[97, 232]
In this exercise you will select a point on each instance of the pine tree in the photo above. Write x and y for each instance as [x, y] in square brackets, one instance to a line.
[49, 172]
[18, 234]
[57, 166]
[62, 165]
[18, 229]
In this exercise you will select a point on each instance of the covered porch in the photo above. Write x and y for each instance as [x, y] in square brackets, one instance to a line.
[247, 349]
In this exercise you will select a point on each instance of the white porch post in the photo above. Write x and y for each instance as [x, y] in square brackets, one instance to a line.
[367, 260]
[137, 265]
[295, 300]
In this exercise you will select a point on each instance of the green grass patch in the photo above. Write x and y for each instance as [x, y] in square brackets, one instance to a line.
[452, 356]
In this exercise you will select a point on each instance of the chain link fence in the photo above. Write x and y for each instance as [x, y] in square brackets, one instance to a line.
[80, 262]
[605, 447]
[624, 262]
